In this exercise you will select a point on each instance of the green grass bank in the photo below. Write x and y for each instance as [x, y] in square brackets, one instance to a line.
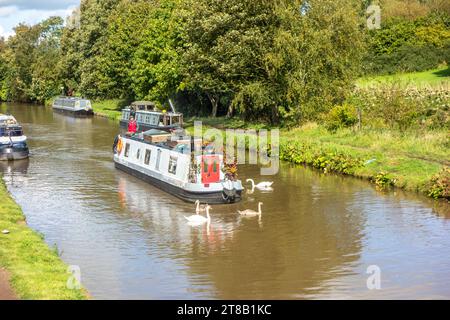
[37, 272]
[410, 160]
[439, 77]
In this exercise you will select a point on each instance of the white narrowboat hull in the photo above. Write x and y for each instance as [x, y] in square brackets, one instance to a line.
[177, 183]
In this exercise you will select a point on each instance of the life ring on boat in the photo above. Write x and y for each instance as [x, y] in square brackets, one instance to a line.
[118, 145]
[228, 192]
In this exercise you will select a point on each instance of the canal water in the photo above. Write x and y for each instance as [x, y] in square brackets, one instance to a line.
[318, 237]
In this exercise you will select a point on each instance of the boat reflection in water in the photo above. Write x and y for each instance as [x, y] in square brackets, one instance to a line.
[13, 143]
[14, 172]
[167, 219]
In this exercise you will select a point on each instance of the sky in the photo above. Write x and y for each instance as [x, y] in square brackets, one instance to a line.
[13, 12]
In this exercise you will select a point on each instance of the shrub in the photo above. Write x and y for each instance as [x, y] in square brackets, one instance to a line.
[383, 180]
[404, 108]
[344, 116]
[404, 45]
[407, 58]
[439, 185]
[315, 156]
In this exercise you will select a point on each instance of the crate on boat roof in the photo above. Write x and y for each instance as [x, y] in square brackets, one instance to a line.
[156, 136]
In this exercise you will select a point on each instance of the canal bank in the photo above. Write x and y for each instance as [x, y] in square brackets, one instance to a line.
[31, 269]
[410, 161]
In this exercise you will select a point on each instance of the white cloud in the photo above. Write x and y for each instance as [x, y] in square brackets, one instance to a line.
[11, 16]
[7, 11]
[39, 4]
[4, 34]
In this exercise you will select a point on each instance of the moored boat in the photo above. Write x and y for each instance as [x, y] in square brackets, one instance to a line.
[149, 117]
[73, 106]
[13, 143]
[167, 162]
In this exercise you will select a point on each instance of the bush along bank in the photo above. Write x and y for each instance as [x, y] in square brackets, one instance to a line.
[330, 160]
[37, 272]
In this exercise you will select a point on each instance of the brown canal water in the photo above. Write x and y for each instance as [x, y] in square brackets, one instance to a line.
[317, 237]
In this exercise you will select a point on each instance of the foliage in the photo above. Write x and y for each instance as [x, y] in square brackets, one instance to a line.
[309, 66]
[29, 61]
[155, 69]
[383, 180]
[407, 58]
[224, 42]
[317, 157]
[405, 45]
[439, 186]
[403, 108]
[344, 116]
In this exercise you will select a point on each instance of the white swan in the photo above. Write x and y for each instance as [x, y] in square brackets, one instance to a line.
[252, 213]
[198, 219]
[199, 208]
[265, 185]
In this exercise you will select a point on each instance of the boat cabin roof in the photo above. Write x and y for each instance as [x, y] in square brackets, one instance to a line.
[144, 105]
[8, 120]
[165, 140]
[156, 113]
[71, 99]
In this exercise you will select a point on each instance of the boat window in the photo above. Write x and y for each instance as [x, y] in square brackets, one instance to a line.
[173, 165]
[158, 160]
[138, 154]
[147, 156]
[127, 150]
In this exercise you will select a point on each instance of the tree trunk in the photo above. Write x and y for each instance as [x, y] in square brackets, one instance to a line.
[230, 110]
[275, 116]
[215, 104]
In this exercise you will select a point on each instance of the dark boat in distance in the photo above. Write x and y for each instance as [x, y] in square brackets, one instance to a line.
[148, 117]
[13, 143]
[74, 106]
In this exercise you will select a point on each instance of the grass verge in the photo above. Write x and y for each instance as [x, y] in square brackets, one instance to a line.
[432, 78]
[110, 109]
[37, 272]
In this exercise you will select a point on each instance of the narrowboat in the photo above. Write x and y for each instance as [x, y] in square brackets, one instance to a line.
[73, 106]
[166, 161]
[13, 143]
[148, 117]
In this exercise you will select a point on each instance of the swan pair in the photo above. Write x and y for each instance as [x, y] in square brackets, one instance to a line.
[197, 218]
[265, 185]
[252, 213]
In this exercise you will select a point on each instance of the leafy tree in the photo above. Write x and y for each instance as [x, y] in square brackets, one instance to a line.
[126, 26]
[224, 42]
[84, 46]
[155, 70]
[45, 82]
[3, 70]
[311, 63]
